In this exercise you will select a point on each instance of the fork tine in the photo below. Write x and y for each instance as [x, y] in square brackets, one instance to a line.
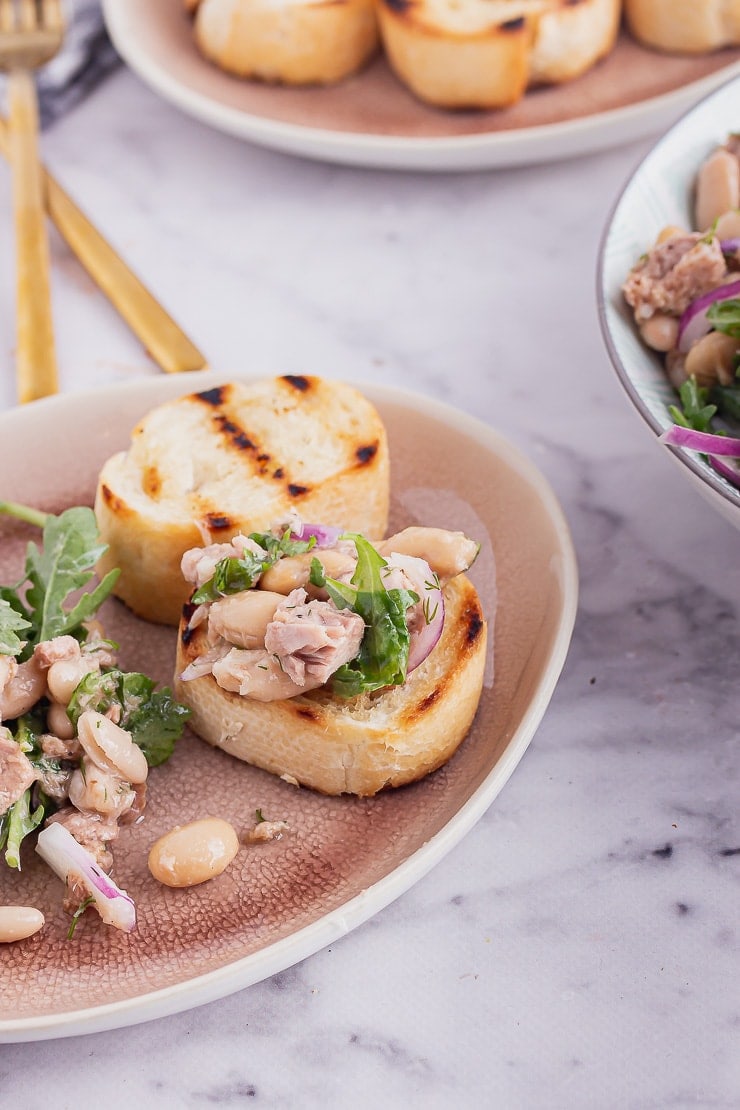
[27, 12]
[7, 15]
[51, 15]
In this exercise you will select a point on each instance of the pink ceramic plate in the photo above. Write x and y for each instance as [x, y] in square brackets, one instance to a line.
[372, 120]
[344, 858]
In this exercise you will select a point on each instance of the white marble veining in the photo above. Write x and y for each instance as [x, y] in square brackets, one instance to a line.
[579, 948]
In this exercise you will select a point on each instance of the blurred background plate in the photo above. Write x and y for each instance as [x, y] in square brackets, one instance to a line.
[660, 193]
[372, 120]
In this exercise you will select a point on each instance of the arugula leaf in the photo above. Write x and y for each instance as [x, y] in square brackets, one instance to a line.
[237, 573]
[19, 823]
[727, 399]
[694, 411]
[231, 576]
[154, 719]
[725, 316]
[64, 565]
[384, 651]
[11, 623]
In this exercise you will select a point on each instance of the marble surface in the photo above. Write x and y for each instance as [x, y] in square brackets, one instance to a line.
[579, 948]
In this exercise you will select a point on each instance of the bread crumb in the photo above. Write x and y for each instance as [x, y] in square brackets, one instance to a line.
[267, 830]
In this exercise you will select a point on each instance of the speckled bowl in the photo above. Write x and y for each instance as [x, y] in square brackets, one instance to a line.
[344, 858]
[657, 194]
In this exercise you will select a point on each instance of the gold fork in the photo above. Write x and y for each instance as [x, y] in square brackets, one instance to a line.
[31, 32]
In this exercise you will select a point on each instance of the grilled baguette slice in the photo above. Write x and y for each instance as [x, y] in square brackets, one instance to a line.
[360, 746]
[485, 53]
[684, 26]
[294, 42]
[237, 458]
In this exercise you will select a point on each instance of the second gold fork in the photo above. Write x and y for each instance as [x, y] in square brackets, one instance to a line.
[30, 34]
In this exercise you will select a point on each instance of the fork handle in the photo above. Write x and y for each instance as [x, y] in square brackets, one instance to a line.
[36, 360]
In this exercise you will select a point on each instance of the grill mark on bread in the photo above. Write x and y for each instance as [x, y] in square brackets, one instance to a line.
[297, 491]
[187, 632]
[307, 713]
[474, 625]
[234, 434]
[213, 396]
[511, 25]
[297, 381]
[429, 700]
[217, 522]
[366, 454]
[115, 503]
[151, 482]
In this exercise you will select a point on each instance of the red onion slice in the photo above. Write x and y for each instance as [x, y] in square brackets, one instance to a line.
[694, 323]
[726, 470]
[324, 534]
[425, 583]
[70, 861]
[706, 442]
[729, 246]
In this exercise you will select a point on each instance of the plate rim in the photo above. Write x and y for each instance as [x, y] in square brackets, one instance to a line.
[484, 150]
[708, 479]
[288, 951]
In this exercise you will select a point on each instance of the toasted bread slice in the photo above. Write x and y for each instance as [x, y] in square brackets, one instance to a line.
[684, 26]
[360, 746]
[293, 42]
[485, 53]
[237, 458]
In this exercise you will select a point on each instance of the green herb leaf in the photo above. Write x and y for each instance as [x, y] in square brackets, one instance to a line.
[725, 316]
[64, 565]
[235, 574]
[11, 623]
[78, 914]
[694, 412]
[20, 822]
[383, 656]
[727, 399]
[154, 719]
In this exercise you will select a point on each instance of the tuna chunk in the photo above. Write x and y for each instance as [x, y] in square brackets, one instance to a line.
[312, 639]
[93, 831]
[57, 649]
[199, 563]
[674, 274]
[16, 771]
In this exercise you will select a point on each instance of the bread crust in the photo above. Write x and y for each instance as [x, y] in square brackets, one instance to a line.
[293, 42]
[684, 26]
[487, 53]
[386, 739]
[238, 458]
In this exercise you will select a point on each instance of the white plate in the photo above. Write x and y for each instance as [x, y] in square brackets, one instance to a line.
[345, 858]
[371, 120]
[658, 194]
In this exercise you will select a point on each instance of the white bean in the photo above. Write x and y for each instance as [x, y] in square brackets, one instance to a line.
[671, 231]
[728, 225]
[94, 790]
[58, 722]
[242, 618]
[717, 188]
[660, 332]
[712, 359]
[64, 676]
[191, 854]
[19, 922]
[111, 747]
